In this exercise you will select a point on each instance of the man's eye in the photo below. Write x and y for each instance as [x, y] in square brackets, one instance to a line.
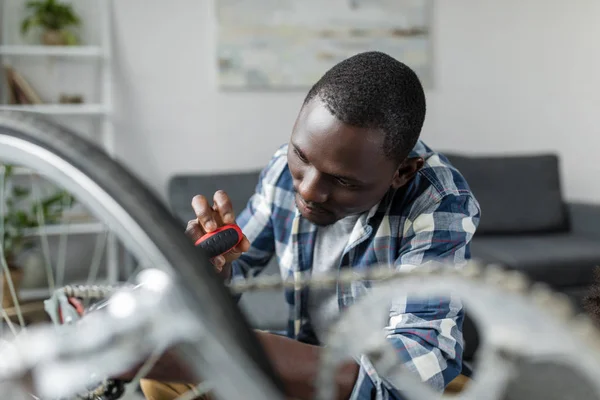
[345, 183]
[300, 155]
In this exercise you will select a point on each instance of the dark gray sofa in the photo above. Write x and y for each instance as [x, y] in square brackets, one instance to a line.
[526, 225]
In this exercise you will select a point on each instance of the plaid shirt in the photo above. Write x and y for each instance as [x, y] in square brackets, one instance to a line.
[433, 218]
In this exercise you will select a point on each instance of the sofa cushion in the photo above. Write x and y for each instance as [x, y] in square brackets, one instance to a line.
[517, 194]
[561, 260]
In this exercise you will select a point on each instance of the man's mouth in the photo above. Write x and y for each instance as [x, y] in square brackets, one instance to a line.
[311, 208]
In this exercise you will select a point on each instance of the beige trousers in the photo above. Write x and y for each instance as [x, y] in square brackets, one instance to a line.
[155, 390]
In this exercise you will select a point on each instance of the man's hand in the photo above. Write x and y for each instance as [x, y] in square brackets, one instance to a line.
[209, 219]
[297, 365]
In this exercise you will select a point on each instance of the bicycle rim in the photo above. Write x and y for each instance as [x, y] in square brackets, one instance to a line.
[150, 232]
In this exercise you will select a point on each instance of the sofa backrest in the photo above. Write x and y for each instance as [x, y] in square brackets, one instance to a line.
[266, 310]
[518, 194]
[239, 186]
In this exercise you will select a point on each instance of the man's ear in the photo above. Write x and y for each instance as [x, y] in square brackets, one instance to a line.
[407, 171]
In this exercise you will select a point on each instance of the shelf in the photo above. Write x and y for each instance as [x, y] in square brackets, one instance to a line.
[59, 51]
[72, 229]
[28, 308]
[23, 171]
[18, 171]
[98, 111]
[57, 109]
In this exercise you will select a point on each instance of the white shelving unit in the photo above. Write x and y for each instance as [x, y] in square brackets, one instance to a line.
[101, 112]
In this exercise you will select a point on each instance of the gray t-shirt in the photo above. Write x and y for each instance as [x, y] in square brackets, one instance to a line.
[330, 244]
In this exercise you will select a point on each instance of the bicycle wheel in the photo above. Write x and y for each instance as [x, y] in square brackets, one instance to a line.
[141, 221]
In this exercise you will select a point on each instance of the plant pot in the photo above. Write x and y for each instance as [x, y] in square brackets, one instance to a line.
[16, 275]
[54, 38]
[34, 271]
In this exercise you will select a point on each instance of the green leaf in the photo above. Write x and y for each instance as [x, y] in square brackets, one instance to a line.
[8, 169]
[35, 4]
[56, 198]
[24, 220]
[26, 25]
[49, 14]
[21, 192]
[21, 212]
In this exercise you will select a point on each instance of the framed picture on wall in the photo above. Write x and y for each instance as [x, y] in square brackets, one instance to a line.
[287, 44]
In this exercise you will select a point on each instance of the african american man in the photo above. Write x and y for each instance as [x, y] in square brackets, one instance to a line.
[355, 187]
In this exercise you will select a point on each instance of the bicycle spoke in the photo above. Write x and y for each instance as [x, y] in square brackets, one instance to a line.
[5, 269]
[44, 242]
[112, 259]
[13, 292]
[96, 260]
[144, 370]
[199, 390]
[61, 260]
[9, 322]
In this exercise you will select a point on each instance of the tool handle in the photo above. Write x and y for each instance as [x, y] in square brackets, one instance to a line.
[221, 241]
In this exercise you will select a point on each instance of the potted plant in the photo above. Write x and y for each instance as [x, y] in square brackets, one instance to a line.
[54, 18]
[22, 213]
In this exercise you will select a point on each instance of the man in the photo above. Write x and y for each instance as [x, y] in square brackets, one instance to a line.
[353, 188]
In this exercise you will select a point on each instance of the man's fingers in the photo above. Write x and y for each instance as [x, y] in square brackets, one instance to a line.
[194, 230]
[219, 262]
[224, 207]
[204, 213]
[208, 219]
[243, 246]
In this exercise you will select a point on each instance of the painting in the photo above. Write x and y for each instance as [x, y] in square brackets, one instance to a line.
[287, 44]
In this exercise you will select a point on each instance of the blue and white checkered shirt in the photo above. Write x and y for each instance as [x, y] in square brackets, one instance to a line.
[433, 218]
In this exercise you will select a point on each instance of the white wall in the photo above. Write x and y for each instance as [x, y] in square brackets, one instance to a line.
[511, 76]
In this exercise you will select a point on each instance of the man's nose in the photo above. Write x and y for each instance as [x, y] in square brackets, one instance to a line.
[312, 188]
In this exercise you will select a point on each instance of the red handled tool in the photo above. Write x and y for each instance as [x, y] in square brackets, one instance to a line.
[221, 241]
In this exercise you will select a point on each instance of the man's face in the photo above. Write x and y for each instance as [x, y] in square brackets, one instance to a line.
[338, 169]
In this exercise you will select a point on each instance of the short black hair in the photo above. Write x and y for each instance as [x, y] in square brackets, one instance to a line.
[591, 300]
[374, 90]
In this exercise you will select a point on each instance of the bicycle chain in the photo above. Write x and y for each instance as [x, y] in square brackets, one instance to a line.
[93, 292]
[511, 281]
[271, 282]
[109, 389]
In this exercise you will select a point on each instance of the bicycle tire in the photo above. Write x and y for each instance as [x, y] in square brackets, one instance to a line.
[196, 275]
